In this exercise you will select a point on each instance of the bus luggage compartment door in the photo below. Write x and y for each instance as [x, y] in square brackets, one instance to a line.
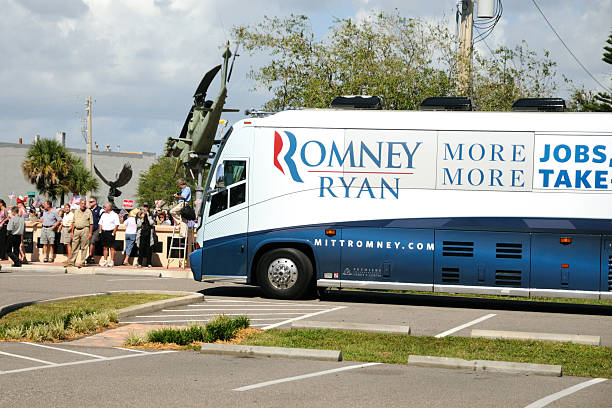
[566, 261]
[481, 258]
[387, 255]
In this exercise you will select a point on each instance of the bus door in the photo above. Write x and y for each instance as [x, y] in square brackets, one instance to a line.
[226, 222]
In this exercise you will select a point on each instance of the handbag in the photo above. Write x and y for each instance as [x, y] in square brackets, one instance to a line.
[188, 213]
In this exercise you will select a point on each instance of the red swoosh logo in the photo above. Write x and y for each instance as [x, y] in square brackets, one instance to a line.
[278, 146]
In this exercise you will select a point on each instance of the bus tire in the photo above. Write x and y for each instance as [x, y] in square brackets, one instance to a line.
[284, 273]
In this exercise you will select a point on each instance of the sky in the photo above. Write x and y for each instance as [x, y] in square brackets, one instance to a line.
[140, 60]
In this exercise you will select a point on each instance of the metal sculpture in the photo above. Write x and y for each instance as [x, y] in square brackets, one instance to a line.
[122, 179]
[194, 144]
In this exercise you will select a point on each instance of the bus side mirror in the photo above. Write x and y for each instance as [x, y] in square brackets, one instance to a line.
[220, 177]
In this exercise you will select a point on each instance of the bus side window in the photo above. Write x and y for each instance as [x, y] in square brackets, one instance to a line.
[218, 202]
[235, 176]
[235, 171]
[232, 175]
[238, 194]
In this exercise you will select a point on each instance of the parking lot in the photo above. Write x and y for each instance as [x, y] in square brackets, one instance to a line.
[424, 320]
[94, 377]
[66, 374]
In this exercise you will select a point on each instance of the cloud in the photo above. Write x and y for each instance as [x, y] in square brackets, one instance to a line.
[142, 59]
[55, 8]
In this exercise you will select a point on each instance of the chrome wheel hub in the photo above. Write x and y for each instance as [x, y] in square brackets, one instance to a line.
[282, 273]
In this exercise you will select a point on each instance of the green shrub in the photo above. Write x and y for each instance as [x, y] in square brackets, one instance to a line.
[225, 328]
[102, 319]
[112, 316]
[15, 332]
[134, 339]
[181, 337]
[57, 330]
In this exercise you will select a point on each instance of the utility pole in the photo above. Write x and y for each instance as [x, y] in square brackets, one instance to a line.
[89, 143]
[465, 46]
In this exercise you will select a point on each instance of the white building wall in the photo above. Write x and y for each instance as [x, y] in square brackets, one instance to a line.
[109, 164]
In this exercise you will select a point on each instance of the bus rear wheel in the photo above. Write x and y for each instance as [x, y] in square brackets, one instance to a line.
[284, 273]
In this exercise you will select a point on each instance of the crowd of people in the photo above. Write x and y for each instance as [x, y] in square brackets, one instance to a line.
[82, 225]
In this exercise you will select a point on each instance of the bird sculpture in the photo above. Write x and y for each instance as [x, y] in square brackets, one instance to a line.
[122, 179]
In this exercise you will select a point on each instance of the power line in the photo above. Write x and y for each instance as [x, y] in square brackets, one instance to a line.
[568, 49]
[488, 24]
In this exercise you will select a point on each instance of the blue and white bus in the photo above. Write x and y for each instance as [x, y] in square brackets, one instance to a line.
[514, 203]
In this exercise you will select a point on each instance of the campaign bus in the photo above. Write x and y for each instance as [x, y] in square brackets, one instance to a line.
[511, 203]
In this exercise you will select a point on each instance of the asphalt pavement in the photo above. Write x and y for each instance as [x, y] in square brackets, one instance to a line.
[190, 379]
[68, 375]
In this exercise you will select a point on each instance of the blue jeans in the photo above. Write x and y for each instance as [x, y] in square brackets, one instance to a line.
[129, 243]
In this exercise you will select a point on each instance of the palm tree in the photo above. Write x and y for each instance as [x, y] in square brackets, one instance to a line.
[79, 180]
[46, 165]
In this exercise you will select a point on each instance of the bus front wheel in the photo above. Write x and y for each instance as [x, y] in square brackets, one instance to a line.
[284, 273]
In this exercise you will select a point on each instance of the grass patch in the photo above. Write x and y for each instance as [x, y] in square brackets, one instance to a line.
[221, 328]
[576, 359]
[61, 320]
[48, 312]
[577, 301]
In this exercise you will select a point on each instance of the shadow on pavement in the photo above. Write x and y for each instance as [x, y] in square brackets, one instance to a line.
[240, 291]
[245, 291]
[463, 302]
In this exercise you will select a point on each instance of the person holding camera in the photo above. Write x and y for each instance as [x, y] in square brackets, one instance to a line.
[183, 197]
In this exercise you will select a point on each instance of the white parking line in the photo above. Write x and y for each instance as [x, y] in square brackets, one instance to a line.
[193, 320]
[132, 279]
[208, 303]
[216, 314]
[302, 317]
[563, 393]
[221, 309]
[63, 349]
[25, 358]
[132, 350]
[301, 377]
[463, 326]
[72, 363]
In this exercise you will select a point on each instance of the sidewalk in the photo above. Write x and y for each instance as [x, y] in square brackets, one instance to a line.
[117, 336]
[130, 270]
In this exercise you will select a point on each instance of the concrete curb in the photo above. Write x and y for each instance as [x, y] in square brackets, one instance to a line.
[184, 274]
[486, 365]
[374, 328]
[37, 268]
[11, 307]
[126, 272]
[555, 337]
[159, 305]
[261, 351]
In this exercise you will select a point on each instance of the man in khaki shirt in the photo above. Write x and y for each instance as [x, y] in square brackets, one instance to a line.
[80, 233]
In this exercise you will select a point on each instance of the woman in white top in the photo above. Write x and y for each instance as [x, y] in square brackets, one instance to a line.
[130, 235]
[67, 220]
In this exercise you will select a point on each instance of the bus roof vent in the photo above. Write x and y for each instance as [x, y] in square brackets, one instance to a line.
[454, 103]
[357, 102]
[539, 105]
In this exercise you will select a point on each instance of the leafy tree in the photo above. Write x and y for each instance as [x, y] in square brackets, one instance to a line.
[46, 165]
[159, 182]
[403, 60]
[602, 101]
[511, 73]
